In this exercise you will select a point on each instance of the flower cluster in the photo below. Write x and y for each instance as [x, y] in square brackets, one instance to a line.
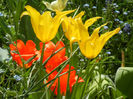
[20, 51]
[45, 27]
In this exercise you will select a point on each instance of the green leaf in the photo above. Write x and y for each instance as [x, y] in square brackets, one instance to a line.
[124, 80]
[100, 84]
[30, 59]
[4, 26]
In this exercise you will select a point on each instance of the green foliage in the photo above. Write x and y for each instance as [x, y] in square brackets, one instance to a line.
[98, 74]
[124, 81]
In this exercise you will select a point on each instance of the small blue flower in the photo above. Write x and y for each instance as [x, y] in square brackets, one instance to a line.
[126, 28]
[9, 26]
[94, 7]
[104, 9]
[105, 27]
[108, 53]
[128, 33]
[81, 60]
[52, 14]
[121, 22]
[17, 78]
[86, 5]
[116, 11]
[125, 13]
[115, 5]
[117, 20]
[120, 31]
[1, 14]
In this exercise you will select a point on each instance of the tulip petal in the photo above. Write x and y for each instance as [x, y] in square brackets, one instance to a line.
[90, 21]
[48, 5]
[56, 5]
[24, 13]
[25, 51]
[31, 46]
[106, 36]
[83, 32]
[45, 26]
[95, 34]
[34, 14]
[56, 22]
[79, 15]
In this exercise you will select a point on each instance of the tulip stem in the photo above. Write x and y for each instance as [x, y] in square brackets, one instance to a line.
[42, 54]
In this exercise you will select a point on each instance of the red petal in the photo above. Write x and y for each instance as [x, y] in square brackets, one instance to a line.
[26, 52]
[20, 46]
[12, 47]
[30, 46]
[49, 48]
[59, 45]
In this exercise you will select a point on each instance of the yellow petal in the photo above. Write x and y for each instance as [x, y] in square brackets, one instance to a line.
[90, 21]
[34, 14]
[95, 34]
[62, 4]
[105, 37]
[71, 30]
[45, 26]
[65, 25]
[56, 5]
[48, 5]
[80, 14]
[24, 13]
[84, 35]
[90, 50]
[57, 21]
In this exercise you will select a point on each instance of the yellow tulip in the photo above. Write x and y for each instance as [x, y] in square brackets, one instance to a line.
[56, 5]
[92, 45]
[71, 27]
[44, 26]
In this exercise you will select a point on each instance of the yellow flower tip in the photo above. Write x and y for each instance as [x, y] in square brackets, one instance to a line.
[98, 17]
[104, 24]
[28, 7]
[80, 14]
[64, 13]
[117, 30]
[24, 13]
[70, 11]
[29, 11]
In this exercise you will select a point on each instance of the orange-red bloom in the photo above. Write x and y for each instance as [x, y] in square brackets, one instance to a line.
[63, 80]
[26, 52]
[57, 59]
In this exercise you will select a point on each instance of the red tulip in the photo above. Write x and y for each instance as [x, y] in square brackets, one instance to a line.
[26, 52]
[55, 60]
[63, 80]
